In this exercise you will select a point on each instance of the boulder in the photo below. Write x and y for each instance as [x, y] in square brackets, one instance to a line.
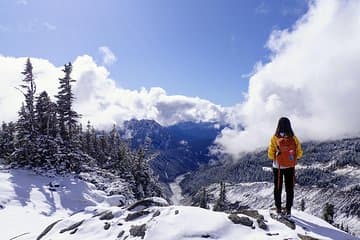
[138, 231]
[135, 215]
[148, 202]
[106, 216]
[241, 220]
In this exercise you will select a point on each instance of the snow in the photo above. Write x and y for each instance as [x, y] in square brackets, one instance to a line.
[177, 196]
[184, 222]
[31, 204]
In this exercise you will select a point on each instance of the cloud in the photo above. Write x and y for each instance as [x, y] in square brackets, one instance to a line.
[107, 55]
[98, 98]
[49, 26]
[312, 77]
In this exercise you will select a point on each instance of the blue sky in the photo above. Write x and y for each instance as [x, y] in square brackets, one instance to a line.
[194, 48]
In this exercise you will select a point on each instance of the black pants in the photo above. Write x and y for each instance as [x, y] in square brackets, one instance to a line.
[289, 175]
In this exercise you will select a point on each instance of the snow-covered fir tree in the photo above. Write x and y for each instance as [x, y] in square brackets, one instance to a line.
[67, 117]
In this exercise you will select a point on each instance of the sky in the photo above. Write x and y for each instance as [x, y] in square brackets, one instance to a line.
[203, 48]
[242, 63]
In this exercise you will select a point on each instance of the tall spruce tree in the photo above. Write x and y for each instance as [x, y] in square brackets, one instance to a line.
[67, 117]
[45, 115]
[28, 88]
[26, 126]
[221, 203]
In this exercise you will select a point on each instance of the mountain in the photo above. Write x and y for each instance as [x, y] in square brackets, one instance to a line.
[177, 149]
[53, 207]
[328, 173]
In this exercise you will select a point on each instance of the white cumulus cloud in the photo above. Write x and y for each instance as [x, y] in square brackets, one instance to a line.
[98, 99]
[107, 55]
[313, 78]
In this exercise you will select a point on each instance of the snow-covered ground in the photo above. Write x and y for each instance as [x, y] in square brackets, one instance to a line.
[260, 195]
[177, 196]
[30, 203]
[183, 223]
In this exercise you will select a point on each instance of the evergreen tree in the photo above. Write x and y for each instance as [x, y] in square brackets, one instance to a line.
[28, 88]
[203, 199]
[25, 147]
[221, 202]
[7, 140]
[328, 213]
[67, 117]
[45, 115]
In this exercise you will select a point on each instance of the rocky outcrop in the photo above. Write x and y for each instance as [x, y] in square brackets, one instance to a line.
[241, 220]
[148, 202]
[138, 231]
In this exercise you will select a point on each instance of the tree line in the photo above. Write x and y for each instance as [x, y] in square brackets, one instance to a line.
[48, 135]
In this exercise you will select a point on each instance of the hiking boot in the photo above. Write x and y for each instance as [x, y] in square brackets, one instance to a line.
[278, 212]
[288, 213]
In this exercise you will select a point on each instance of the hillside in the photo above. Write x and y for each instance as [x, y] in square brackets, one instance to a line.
[328, 172]
[65, 207]
[177, 148]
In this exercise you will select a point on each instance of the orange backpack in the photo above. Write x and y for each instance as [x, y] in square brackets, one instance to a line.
[286, 152]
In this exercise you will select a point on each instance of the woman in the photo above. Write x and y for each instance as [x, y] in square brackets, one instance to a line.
[284, 150]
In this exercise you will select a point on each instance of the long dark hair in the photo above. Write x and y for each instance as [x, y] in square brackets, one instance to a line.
[284, 126]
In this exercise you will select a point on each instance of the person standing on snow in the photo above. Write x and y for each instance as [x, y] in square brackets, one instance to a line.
[284, 150]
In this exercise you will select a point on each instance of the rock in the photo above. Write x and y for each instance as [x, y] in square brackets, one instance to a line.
[107, 226]
[283, 220]
[176, 212]
[100, 213]
[236, 206]
[132, 216]
[251, 213]
[121, 234]
[241, 220]
[73, 231]
[206, 236]
[47, 229]
[304, 237]
[75, 225]
[148, 202]
[138, 231]
[157, 213]
[262, 224]
[106, 215]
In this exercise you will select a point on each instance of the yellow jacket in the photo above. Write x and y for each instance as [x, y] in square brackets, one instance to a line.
[272, 148]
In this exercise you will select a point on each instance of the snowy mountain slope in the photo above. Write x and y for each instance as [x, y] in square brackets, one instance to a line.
[260, 195]
[30, 201]
[328, 172]
[180, 223]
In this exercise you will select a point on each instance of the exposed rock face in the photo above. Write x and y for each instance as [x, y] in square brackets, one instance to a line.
[135, 215]
[148, 202]
[241, 220]
[107, 226]
[72, 227]
[138, 231]
[283, 220]
[107, 216]
[303, 237]
[156, 214]
[47, 229]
